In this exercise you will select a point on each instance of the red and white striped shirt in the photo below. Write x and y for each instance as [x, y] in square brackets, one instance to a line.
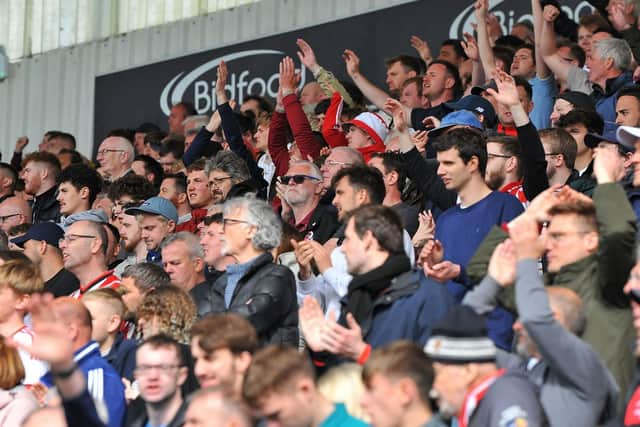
[105, 280]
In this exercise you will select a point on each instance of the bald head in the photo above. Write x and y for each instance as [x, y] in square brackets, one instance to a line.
[115, 156]
[568, 306]
[14, 211]
[209, 407]
[75, 315]
[312, 93]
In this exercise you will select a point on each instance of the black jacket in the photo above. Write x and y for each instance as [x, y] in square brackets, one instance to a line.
[266, 297]
[137, 414]
[322, 224]
[45, 207]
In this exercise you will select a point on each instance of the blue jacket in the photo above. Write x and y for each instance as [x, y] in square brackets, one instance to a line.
[103, 381]
[407, 310]
[606, 99]
[122, 356]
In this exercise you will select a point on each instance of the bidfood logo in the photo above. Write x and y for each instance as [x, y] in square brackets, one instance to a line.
[507, 18]
[249, 74]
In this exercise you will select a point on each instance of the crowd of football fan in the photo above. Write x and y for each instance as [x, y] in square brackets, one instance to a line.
[456, 249]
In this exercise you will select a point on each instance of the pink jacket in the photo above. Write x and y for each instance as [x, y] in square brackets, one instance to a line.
[15, 405]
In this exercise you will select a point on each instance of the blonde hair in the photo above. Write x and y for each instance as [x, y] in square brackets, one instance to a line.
[22, 276]
[109, 297]
[343, 384]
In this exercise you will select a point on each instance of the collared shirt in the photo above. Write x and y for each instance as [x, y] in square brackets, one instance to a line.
[104, 280]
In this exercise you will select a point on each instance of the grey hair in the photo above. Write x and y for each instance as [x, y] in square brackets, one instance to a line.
[354, 156]
[229, 162]
[197, 122]
[616, 49]
[260, 214]
[127, 146]
[147, 275]
[314, 170]
[571, 305]
[189, 239]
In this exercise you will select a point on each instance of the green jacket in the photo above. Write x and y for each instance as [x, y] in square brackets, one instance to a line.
[599, 280]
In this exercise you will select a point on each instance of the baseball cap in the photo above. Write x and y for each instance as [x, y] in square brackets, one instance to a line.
[579, 100]
[457, 118]
[372, 124]
[476, 104]
[49, 232]
[478, 90]
[156, 206]
[592, 140]
[627, 135]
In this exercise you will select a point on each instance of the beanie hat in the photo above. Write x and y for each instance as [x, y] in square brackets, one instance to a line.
[460, 337]
[372, 124]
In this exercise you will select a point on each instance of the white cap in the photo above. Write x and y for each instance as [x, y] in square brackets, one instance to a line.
[627, 135]
[372, 124]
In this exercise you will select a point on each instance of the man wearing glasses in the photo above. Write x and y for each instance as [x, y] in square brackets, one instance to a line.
[14, 211]
[255, 288]
[300, 190]
[115, 156]
[160, 372]
[84, 248]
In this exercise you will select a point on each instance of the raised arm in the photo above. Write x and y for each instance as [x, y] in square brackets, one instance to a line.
[325, 78]
[484, 44]
[376, 95]
[470, 46]
[547, 44]
[542, 70]
[277, 141]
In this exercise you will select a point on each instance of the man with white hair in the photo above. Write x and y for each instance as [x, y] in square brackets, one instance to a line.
[115, 156]
[255, 288]
[301, 190]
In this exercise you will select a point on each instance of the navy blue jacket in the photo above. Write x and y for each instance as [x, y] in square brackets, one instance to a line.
[407, 310]
[122, 356]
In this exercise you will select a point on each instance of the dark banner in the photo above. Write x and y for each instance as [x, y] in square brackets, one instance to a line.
[145, 94]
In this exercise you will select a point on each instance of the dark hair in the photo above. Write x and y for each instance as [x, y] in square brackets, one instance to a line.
[64, 136]
[561, 142]
[110, 228]
[402, 359]
[457, 46]
[384, 224]
[510, 147]
[590, 119]
[355, 93]
[172, 144]
[163, 340]
[76, 157]
[451, 71]
[469, 143]
[231, 331]
[510, 41]
[263, 103]
[595, 22]
[630, 91]
[392, 162]
[154, 139]
[575, 51]
[18, 229]
[189, 109]
[531, 48]
[152, 166]
[179, 181]
[216, 218]
[246, 123]
[522, 82]
[322, 106]
[137, 187]
[504, 54]
[408, 62]
[13, 174]
[9, 255]
[363, 178]
[80, 176]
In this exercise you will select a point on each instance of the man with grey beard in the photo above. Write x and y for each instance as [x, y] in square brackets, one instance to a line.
[301, 190]
[575, 386]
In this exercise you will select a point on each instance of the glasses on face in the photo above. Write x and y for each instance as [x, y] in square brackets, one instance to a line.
[297, 179]
[6, 217]
[231, 221]
[499, 156]
[104, 151]
[219, 180]
[556, 236]
[333, 163]
[73, 237]
[550, 154]
[163, 368]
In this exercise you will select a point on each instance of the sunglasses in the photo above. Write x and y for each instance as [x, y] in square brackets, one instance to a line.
[297, 179]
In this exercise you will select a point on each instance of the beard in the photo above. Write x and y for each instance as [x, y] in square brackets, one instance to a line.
[525, 347]
[494, 180]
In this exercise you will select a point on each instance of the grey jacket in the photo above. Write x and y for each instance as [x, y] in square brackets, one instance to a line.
[575, 386]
